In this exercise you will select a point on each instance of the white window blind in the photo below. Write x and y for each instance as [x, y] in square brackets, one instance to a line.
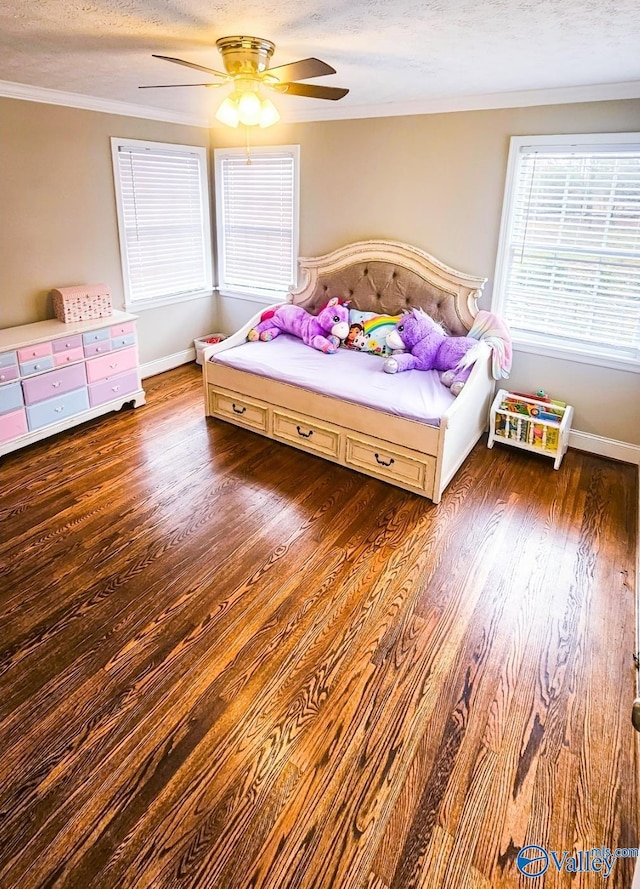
[571, 248]
[257, 206]
[163, 218]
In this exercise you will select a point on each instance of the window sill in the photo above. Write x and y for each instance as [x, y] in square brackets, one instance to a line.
[576, 354]
[145, 304]
[254, 296]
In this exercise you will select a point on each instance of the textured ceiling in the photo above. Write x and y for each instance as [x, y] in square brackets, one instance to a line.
[385, 51]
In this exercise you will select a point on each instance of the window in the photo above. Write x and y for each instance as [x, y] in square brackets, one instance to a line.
[568, 271]
[257, 209]
[163, 218]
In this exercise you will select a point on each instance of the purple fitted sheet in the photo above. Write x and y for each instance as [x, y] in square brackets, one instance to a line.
[353, 376]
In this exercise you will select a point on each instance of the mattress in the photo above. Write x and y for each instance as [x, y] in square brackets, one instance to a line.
[352, 376]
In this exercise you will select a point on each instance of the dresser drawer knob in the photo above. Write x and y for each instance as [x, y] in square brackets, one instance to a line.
[382, 462]
[98, 348]
[36, 367]
[2, 377]
[238, 410]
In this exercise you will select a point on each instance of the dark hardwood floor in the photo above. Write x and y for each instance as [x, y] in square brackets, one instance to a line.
[225, 663]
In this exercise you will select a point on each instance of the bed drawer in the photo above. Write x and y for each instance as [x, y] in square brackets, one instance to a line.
[313, 436]
[390, 463]
[240, 409]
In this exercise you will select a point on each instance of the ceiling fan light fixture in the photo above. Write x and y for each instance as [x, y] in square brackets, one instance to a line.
[228, 113]
[268, 114]
[246, 62]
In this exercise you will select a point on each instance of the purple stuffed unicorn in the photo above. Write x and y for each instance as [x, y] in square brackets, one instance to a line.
[429, 348]
[323, 331]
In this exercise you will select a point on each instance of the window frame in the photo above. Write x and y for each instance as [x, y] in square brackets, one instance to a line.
[537, 343]
[264, 296]
[136, 305]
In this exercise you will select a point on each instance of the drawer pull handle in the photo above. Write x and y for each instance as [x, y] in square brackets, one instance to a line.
[238, 410]
[59, 410]
[57, 384]
[36, 367]
[98, 348]
[2, 377]
[113, 366]
[304, 434]
[382, 462]
[115, 388]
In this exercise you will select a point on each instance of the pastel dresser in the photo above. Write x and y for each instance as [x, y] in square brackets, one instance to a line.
[54, 376]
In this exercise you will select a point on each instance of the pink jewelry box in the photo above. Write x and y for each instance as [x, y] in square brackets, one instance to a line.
[82, 303]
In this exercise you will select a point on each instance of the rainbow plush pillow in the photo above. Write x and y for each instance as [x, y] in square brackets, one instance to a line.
[368, 332]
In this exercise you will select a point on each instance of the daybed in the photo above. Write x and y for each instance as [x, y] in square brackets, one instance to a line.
[336, 413]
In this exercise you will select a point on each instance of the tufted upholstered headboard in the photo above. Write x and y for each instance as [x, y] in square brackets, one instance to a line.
[389, 277]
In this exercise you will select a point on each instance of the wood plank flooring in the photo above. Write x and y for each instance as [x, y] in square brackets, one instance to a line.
[226, 663]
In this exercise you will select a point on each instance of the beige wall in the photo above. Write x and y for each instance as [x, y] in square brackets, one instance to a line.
[58, 222]
[437, 181]
[434, 180]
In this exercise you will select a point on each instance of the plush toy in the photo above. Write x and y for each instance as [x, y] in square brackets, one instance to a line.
[322, 331]
[428, 347]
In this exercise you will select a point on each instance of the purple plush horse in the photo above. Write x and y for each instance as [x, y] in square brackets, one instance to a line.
[322, 331]
[429, 348]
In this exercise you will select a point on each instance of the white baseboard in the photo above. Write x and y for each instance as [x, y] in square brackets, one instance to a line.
[605, 447]
[151, 368]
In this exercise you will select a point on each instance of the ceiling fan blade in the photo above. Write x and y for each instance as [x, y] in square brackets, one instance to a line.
[192, 65]
[302, 70]
[160, 86]
[311, 91]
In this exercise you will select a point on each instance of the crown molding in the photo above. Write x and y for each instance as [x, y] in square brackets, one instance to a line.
[485, 102]
[11, 90]
[524, 98]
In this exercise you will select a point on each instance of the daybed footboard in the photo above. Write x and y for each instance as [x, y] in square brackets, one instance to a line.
[413, 455]
[330, 428]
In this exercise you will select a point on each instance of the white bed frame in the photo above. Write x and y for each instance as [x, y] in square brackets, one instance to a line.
[413, 455]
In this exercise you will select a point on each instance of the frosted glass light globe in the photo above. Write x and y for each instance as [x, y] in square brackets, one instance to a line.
[227, 113]
[249, 108]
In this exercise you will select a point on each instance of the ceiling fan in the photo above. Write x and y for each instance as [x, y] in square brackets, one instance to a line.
[246, 63]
